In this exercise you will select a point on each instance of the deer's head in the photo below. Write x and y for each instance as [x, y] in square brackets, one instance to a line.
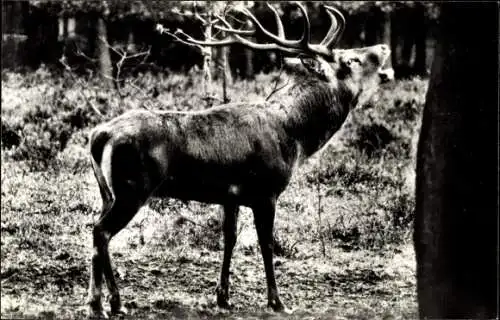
[360, 70]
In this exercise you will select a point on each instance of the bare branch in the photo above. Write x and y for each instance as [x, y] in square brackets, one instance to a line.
[162, 30]
[80, 53]
[106, 43]
[145, 53]
[63, 61]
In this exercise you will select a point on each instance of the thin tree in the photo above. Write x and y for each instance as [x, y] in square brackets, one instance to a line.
[99, 34]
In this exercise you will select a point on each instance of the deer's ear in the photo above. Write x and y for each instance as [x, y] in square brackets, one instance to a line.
[319, 67]
[312, 65]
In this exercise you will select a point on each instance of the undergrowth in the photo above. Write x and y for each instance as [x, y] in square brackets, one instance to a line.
[366, 198]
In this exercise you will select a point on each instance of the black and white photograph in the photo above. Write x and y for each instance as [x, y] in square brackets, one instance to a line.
[249, 159]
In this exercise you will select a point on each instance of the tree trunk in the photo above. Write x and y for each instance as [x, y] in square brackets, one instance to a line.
[394, 39]
[103, 54]
[14, 16]
[32, 56]
[249, 70]
[386, 38]
[456, 188]
[226, 74]
[131, 47]
[207, 61]
[420, 34]
[374, 26]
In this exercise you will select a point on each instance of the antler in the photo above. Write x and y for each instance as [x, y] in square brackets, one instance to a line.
[336, 29]
[278, 42]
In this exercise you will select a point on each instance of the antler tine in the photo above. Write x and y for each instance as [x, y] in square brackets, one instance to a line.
[276, 42]
[331, 31]
[277, 39]
[306, 36]
[229, 28]
[235, 38]
[235, 31]
[279, 23]
[335, 31]
[191, 40]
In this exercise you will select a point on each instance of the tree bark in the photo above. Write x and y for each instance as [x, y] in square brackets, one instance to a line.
[456, 188]
[103, 54]
[395, 25]
[374, 26]
[420, 32]
[226, 74]
[207, 61]
[249, 70]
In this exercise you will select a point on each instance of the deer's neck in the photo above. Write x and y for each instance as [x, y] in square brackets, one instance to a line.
[316, 114]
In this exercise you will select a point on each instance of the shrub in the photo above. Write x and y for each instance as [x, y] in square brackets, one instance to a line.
[10, 135]
[192, 224]
[387, 124]
[43, 128]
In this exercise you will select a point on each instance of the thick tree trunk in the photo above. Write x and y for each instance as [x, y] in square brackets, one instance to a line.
[456, 189]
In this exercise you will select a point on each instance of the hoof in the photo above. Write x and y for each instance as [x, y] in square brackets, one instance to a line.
[224, 304]
[95, 310]
[97, 314]
[223, 299]
[277, 306]
[117, 314]
[116, 307]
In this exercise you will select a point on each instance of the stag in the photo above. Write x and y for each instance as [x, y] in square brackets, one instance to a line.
[237, 154]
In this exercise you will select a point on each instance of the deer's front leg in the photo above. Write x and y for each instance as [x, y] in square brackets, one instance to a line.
[264, 212]
[229, 230]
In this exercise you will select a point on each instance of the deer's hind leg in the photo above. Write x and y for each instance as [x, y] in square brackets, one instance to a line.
[109, 224]
[96, 271]
[124, 192]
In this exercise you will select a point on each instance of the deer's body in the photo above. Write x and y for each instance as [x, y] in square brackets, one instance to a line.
[232, 155]
[234, 152]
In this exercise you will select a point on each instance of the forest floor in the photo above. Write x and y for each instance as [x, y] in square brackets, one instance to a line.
[343, 227]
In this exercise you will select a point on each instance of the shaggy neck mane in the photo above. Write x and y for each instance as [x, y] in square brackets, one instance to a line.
[317, 112]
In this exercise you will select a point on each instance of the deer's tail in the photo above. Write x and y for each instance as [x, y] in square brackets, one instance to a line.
[101, 155]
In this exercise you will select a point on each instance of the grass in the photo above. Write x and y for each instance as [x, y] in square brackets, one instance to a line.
[343, 226]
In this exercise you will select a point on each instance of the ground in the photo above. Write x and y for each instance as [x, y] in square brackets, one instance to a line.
[343, 227]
